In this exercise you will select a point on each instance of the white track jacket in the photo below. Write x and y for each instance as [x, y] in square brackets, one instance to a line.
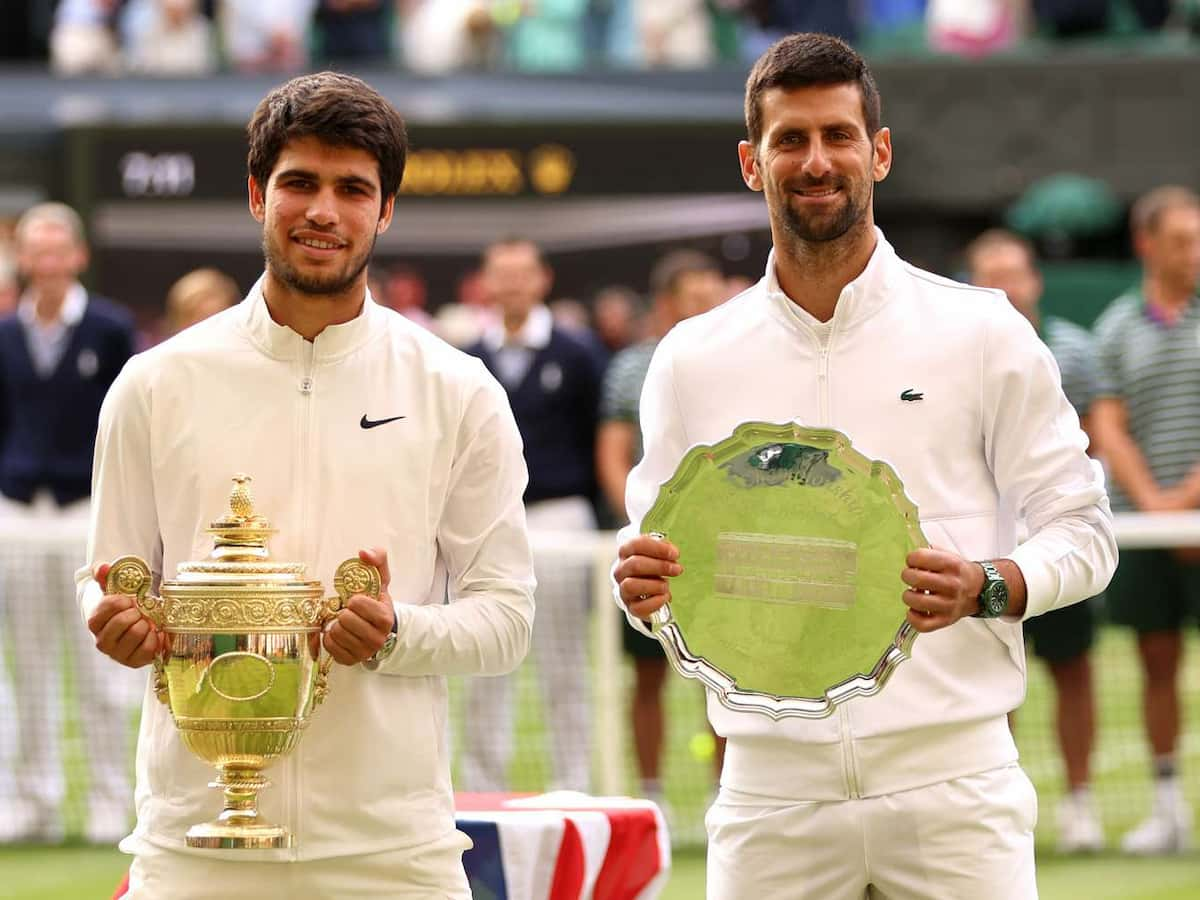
[439, 488]
[992, 441]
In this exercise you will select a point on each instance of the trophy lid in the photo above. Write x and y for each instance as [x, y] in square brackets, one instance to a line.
[240, 554]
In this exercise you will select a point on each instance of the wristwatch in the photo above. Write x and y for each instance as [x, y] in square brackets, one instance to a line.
[993, 599]
[385, 651]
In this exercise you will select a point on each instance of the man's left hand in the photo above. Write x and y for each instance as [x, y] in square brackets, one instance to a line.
[943, 588]
[364, 623]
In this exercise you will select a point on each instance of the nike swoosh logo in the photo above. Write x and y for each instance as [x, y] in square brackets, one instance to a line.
[364, 422]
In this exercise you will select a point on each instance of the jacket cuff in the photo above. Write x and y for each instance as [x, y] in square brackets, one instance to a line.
[1041, 583]
[90, 595]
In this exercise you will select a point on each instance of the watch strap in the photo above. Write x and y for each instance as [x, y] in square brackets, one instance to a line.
[389, 645]
[994, 586]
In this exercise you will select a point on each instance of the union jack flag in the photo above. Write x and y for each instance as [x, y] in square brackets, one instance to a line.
[560, 846]
[564, 846]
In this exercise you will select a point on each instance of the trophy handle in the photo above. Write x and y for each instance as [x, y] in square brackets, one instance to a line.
[356, 577]
[131, 576]
[353, 576]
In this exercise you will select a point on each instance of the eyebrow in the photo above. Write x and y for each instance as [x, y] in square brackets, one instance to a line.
[354, 180]
[846, 125]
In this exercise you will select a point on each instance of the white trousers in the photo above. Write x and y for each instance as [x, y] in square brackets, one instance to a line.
[969, 838]
[45, 634]
[560, 648]
[430, 871]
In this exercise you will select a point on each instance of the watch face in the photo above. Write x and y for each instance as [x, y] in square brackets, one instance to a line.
[995, 599]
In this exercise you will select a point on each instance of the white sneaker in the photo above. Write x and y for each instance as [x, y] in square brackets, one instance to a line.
[1079, 828]
[1168, 830]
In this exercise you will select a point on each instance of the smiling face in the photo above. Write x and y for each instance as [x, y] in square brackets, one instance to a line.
[321, 212]
[49, 255]
[816, 162]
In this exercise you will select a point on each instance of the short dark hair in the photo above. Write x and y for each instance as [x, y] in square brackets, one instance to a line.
[337, 109]
[809, 60]
[669, 271]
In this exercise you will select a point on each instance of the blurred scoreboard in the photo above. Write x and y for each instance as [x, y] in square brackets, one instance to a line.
[603, 200]
[209, 163]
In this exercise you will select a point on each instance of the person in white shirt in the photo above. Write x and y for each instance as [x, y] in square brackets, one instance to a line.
[362, 432]
[914, 792]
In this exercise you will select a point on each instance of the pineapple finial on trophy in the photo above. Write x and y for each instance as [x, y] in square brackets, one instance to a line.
[241, 501]
[241, 531]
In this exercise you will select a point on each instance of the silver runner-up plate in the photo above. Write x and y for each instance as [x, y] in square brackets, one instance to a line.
[792, 544]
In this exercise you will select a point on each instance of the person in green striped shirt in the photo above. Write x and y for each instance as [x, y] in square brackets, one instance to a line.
[1147, 422]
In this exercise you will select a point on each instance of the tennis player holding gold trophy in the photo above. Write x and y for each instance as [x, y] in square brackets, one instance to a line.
[241, 668]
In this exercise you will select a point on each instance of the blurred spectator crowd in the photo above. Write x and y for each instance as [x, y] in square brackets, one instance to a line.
[573, 370]
[197, 37]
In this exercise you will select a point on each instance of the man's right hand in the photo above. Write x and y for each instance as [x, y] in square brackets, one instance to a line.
[121, 630]
[646, 563]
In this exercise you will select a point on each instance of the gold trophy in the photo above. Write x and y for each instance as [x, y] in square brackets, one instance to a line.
[242, 667]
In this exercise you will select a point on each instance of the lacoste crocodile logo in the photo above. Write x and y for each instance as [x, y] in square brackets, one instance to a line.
[364, 422]
[911, 395]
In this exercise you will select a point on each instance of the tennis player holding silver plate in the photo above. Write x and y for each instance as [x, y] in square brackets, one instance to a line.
[789, 533]
[788, 550]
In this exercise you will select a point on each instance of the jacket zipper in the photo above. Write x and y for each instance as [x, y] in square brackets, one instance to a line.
[849, 763]
[823, 376]
[306, 384]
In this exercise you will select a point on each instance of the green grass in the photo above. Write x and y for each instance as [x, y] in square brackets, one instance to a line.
[1121, 759]
[1121, 786]
[1119, 878]
[60, 873]
[83, 873]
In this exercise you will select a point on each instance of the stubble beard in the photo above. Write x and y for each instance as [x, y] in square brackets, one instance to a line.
[823, 229]
[314, 285]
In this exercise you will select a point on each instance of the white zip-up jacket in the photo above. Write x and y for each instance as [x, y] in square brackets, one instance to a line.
[439, 488]
[993, 441]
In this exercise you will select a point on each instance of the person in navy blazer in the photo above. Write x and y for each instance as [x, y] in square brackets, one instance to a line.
[59, 352]
[552, 379]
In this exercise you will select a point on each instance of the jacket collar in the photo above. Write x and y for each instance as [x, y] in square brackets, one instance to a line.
[282, 342]
[534, 334]
[70, 313]
[859, 300]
